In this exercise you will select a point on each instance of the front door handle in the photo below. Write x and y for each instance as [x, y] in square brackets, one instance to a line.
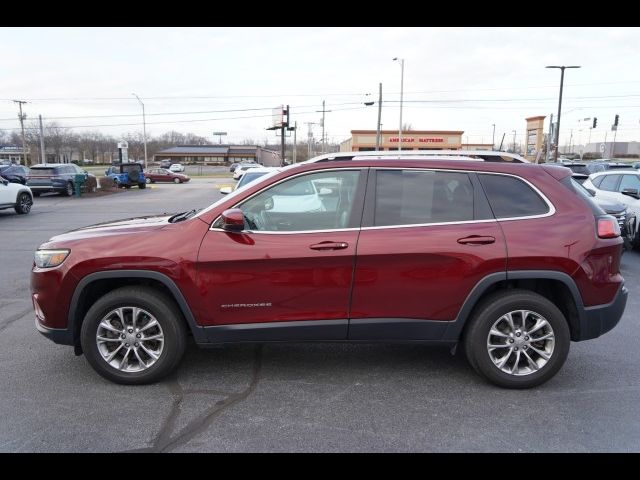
[329, 246]
[476, 240]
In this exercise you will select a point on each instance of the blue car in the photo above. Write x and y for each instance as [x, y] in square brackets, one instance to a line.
[127, 174]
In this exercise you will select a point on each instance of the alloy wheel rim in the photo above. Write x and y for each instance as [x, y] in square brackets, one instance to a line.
[521, 342]
[69, 189]
[130, 339]
[25, 203]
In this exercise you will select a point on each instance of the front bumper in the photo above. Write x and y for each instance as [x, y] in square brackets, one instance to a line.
[61, 336]
[598, 320]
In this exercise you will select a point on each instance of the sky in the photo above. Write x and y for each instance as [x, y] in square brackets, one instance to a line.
[203, 80]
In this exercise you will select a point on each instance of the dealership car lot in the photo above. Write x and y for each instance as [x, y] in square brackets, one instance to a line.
[325, 397]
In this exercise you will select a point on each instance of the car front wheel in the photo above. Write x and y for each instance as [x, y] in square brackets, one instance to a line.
[176, 180]
[133, 335]
[517, 339]
[68, 191]
[24, 203]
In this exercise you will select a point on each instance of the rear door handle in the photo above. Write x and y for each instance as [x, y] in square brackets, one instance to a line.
[476, 240]
[329, 246]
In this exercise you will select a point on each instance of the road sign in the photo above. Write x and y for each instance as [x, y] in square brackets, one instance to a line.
[123, 145]
[602, 147]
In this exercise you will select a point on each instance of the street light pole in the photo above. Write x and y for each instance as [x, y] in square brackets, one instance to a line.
[560, 103]
[401, 60]
[514, 141]
[144, 130]
[379, 117]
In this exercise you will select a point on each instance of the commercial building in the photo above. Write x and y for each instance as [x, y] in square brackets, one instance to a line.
[365, 140]
[606, 149]
[217, 154]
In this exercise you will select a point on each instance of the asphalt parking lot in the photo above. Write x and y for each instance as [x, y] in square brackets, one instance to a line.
[292, 397]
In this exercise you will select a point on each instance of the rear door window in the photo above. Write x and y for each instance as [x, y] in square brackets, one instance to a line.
[414, 197]
[609, 183]
[629, 181]
[511, 197]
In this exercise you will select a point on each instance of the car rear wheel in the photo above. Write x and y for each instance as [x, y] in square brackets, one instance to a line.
[133, 335]
[176, 180]
[68, 190]
[517, 339]
[148, 180]
[24, 203]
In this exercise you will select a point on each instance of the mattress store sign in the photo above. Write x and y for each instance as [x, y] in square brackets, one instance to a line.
[420, 140]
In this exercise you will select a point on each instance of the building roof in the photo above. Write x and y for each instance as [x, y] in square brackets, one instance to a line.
[413, 132]
[196, 149]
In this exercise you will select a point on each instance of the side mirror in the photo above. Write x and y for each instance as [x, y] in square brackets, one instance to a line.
[226, 190]
[4, 181]
[632, 192]
[591, 191]
[233, 220]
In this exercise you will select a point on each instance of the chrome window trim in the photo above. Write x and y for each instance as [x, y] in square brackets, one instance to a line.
[311, 172]
[552, 209]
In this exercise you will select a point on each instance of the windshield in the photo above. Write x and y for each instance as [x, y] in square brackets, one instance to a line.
[239, 191]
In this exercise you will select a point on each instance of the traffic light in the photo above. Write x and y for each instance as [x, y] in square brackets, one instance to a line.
[615, 122]
[595, 122]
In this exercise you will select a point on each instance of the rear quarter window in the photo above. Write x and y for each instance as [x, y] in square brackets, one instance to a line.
[511, 197]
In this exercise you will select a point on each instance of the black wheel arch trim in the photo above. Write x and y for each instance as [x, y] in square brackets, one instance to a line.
[198, 331]
[584, 329]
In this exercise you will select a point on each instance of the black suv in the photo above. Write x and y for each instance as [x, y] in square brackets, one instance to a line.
[14, 173]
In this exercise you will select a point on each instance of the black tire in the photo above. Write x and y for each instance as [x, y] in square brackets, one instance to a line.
[165, 312]
[635, 243]
[176, 180]
[142, 185]
[494, 307]
[68, 190]
[23, 204]
[127, 185]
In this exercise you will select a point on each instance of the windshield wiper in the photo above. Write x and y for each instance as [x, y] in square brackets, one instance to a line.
[178, 217]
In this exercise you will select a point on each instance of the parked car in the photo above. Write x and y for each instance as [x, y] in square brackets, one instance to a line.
[602, 166]
[405, 249]
[154, 175]
[176, 167]
[238, 172]
[165, 163]
[127, 174]
[16, 196]
[626, 218]
[15, 173]
[57, 177]
[580, 170]
[621, 187]
[248, 177]
[236, 165]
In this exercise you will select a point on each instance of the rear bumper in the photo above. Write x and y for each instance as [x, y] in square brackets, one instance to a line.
[599, 319]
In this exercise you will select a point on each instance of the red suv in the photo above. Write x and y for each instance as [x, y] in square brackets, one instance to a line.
[509, 260]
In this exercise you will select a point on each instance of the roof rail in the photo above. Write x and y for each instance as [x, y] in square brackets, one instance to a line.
[483, 155]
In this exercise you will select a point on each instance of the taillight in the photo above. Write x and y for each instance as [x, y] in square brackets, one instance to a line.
[608, 227]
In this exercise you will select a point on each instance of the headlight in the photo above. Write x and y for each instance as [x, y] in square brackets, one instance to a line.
[50, 258]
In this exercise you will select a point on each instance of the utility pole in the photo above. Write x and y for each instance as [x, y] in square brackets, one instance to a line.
[43, 155]
[560, 103]
[295, 140]
[323, 112]
[378, 133]
[570, 142]
[144, 131]
[493, 137]
[514, 141]
[549, 139]
[24, 143]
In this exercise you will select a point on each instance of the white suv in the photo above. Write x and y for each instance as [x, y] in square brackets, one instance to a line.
[621, 186]
[16, 196]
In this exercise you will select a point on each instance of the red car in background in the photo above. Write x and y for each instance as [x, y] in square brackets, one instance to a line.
[154, 175]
